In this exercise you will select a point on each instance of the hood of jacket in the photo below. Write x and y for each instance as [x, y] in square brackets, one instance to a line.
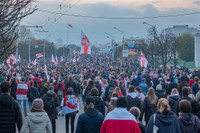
[174, 98]
[5, 100]
[37, 117]
[187, 119]
[132, 94]
[97, 99]
[91, 112]
[166, 118]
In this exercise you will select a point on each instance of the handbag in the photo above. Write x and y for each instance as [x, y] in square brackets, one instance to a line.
[155, 128]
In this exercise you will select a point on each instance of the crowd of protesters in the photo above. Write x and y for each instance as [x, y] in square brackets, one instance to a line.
[117, 97]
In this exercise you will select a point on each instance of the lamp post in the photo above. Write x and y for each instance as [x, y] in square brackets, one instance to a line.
[155, 35]
[112, 42]
[121, 32]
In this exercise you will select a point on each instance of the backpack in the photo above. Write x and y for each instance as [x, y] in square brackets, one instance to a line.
[60, 93]
[33, 94]
[110, 91]
[49, 104]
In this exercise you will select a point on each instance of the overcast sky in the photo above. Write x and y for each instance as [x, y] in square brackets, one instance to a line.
[95, 29]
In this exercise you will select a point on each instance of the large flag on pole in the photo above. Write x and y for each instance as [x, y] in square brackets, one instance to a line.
[8, 62]
[34, 62]
[143, 60]
[61, 59]
[13, 58]
[85, 47]
[19, 58]
[56, 61]
[45, 70]
[70, 25]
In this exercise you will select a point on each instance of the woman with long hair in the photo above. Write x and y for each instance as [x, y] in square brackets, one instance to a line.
[163, 121]
[173, 99]
[149, 104]
[83, 88]
[37, 120]
[90, 85]
[117, 90]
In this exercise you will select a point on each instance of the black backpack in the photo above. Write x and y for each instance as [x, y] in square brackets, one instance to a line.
[49, 104]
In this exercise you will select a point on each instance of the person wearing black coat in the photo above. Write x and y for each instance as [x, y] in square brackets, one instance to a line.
[172, 85]
[89, 88]
[194, 103]
[13, 88]
[110, 88]
[132, 99]
[53, 113]
[71, 84]
[183, 83]
[155, 81]
[98, 86]
[91, 120]
[173, 100]
[159, 92]
[32, 93]
[189, 123]
[134, 82]
[150, 104]
[10, 113]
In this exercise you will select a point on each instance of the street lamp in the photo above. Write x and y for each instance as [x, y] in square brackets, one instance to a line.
[111, 38]
[121, 32]
[155, 35]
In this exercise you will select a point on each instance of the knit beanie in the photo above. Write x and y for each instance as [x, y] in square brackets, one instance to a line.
[38, 104]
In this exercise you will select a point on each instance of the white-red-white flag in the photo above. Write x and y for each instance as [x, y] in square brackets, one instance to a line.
[85, 44]
[34, 62]
[8, 62]
[61, 59]
[46, 72]
[74, 51]
[39, 55]
[56, 61]
[143, 60]
[74, 60]
[52, 59]
[13, 58]
[19, 58]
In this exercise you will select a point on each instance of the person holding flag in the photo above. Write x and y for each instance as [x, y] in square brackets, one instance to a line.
[143, 60]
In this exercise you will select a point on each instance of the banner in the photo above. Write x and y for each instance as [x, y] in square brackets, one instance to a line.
[85, 47]
[39, 55]
[143, 60]
[46, 72]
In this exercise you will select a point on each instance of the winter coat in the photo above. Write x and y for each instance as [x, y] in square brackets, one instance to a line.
[195, 88]
[13, 89]
[123, 90]
[70, 83]
[88, 90]
[112, 104]
[53, 114]
[10, 114]
[37, 122]
[144, 87]
[133, 100]
[32, 94]
[134, 82]
[148, 109]
[139, 79]
[99, 105]
[98, 86]
[160, 94]
[172, 85]
[107, 98]
[155, 82]
[173, 101]
[180, 87]
[89, 122]
[167, 123]
[189, 123]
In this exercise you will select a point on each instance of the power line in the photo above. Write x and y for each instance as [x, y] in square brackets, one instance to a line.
[122, 18]
[61, 14]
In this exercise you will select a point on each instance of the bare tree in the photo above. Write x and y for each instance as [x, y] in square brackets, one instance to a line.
[11, 13]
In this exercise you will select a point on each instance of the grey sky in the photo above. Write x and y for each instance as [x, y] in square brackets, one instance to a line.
[95, 28]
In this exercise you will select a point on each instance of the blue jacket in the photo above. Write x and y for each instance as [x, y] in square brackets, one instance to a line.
[167, 123]
[89, 122]
[144, 87]
[195, 88]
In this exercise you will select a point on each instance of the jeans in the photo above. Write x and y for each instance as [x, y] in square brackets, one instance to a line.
[30, 104]
[24, 106]
[67, 116]
[83, 99]
[53, 123]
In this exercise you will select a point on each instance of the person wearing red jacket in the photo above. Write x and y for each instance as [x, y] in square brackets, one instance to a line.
[120, 120]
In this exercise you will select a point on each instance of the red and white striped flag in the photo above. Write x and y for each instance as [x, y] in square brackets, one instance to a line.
[143, 60]
[74, 51]
[8, 62]
[39, 55]
[61, 59]
[28, 65]
[70, 25]
[85, 47]
[56, 61]
[74, 60]
[46, 72]
[19, 58]
[52, 59]
[34, 62]
[13, 58]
